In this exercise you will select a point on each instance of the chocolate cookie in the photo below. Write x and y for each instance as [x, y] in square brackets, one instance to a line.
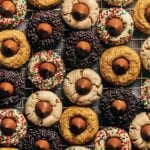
[46, 69]
[115, 26]
[78, 125]
[145, 54]
[118, 106]
[112, 138]
[14, 49]
[80, 14]
[145, 94]
[44, 4]
[139, 131]
[13, 127]
[141, 16]
[12, 13]
[41, 138]
[120, 65]
[43, 108]
[11, 87]
[118, 2]
[83, 86]
[44, 30]
[82, 49]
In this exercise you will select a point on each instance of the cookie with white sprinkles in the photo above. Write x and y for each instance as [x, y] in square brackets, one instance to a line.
[46, 69]
[12, 13]
[115, 26]
[13, 127]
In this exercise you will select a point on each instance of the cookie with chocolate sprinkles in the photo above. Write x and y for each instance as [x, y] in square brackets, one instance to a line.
[47, 138]
[118, 107]
[11, 87]
[82, 49]
[44, 30]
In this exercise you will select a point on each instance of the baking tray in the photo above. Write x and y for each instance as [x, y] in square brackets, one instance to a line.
[135, 43]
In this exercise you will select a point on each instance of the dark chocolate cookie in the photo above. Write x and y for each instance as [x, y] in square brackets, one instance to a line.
[118, 106]
[44, 30]
[82, 49]
[11, 87]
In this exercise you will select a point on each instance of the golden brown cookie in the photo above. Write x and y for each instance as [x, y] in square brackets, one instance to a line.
[44, 3]
[120, 65]
[8, 148]
[141, 16]
[78, 118]
[14, 49]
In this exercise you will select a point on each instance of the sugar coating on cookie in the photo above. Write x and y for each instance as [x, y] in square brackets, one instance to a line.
[118, 106]
[145, 54]
[79, 97]
[77, 148]
[22, 54]
[15, 79]
[38, 37]
[138, 136]
[124, 17]
[90, 119]
[85, 14]
[120, 65]
[43, 3]
[145, 94]
[21, 127]
[82, 49]
[34, 72]
[35, 134]
[139, 15]
[43, 117]
[118, 2]
[112, 132]
[17, 17]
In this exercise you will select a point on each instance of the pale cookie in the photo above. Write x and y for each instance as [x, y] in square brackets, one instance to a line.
[145, 94]
[44, 3]
[77, 148]
[85, 23]
[136, 131]
[23, 52]
[118, 2]
[85, 136]
[122, 72]
[145, 54]
[112, 132]
[78, 96]
[8, 148]
[50, 118]
[139, 16]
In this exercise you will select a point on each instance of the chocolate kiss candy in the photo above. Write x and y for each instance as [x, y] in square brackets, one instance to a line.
[145, 132]
[83, 86]
[80, 11]
[119, 106]
[7, 8]
[115, 26]
[9, 48]
[43, 109]
[120, 66]
[113, 143]
[47, 70]
[44, 30]
[8, 126]
[83, 48]
[42, 145]
[78, 125]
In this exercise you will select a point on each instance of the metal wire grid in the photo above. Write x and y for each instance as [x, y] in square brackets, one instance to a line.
[135, 43]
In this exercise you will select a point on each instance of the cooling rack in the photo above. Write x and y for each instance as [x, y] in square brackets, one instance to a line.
[135, 43]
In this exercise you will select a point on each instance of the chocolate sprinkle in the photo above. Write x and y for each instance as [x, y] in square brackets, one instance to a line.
[45, 17]
[72, 60]
[16, 79]
[38, 133]
[107, 112]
